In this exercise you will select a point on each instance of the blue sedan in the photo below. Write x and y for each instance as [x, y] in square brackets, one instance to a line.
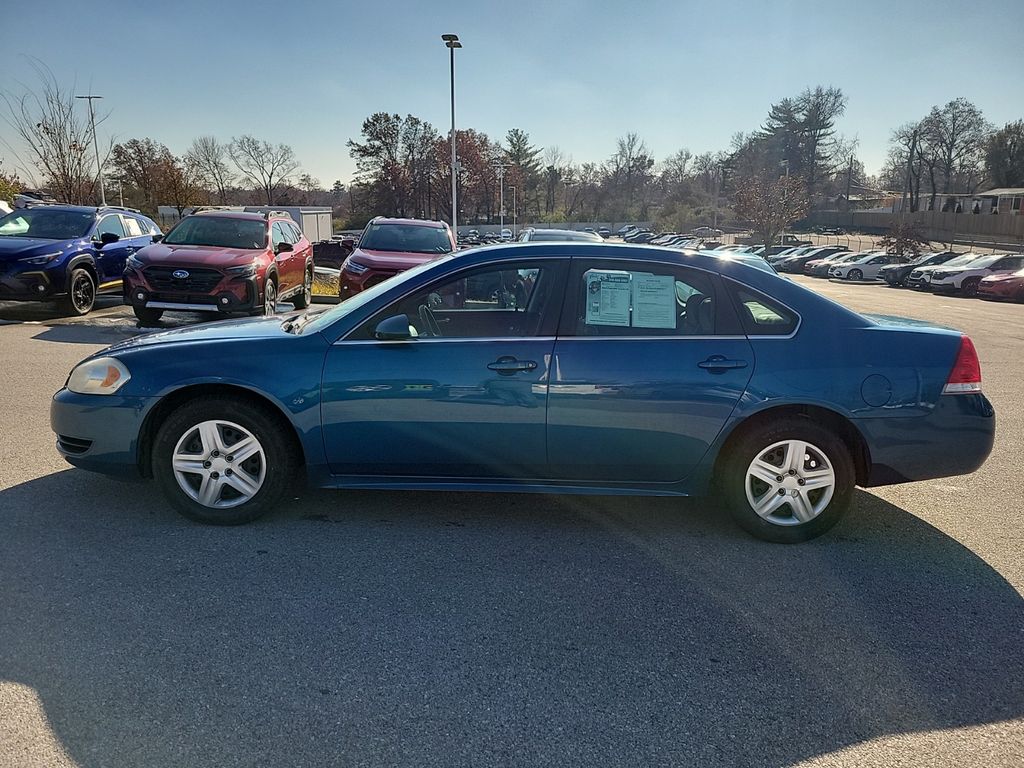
[571, 368]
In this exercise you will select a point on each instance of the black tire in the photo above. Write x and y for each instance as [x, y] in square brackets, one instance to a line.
[751, 444]
[148, 316]
[269, 306]
[81, 296]
[279, 457]
[854, 274]
[969, 287]
[305, 297]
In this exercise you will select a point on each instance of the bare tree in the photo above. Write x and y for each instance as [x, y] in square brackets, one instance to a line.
[57, 140]
[181, 183]
[266, 167]
[903, 239]
[955, 136]
[210, 160]
[771, 203]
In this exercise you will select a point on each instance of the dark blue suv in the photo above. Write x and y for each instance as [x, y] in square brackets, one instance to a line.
[68, 253]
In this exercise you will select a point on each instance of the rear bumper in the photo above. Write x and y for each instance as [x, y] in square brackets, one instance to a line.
[99, 433]
[955, 439]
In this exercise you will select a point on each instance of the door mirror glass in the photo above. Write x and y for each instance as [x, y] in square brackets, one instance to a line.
[394, 328]
[283, 247]
[157, 238]
[108, 237]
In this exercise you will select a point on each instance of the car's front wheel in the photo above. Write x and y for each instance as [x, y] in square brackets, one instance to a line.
[81, 293]
[269, 298]
[855, 274]
[969, 287]
[787, 481]
[222, 461]
[147, 316]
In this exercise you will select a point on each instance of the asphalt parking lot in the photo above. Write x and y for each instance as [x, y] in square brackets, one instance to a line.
[483, 629]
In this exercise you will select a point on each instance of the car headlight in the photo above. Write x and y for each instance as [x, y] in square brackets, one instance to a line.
[46, 259]
[102, 376]
[354, 267]
[243, 271]
[135, 262]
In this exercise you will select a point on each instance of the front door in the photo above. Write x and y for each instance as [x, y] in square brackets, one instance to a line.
[466, 396]
[111, 258]
[650, 362]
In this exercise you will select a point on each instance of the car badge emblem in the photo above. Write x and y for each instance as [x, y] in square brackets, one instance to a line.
[179, 274]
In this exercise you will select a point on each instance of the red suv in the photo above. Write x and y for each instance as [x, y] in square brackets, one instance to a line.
[224, 262]
[390, 246]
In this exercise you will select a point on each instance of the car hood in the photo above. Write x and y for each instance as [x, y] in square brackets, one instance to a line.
[195, 255]
[999, 277]
[17, 247]
[244, 328]
[392, 260]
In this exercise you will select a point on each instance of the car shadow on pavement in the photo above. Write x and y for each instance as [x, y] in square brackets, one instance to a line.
[468, 629]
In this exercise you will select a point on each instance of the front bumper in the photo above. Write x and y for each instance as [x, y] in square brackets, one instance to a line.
[944, 287]
[349, 284]
[1003, 290]
[99, 433]
[238, 294]
[30, 284]
[955, 439]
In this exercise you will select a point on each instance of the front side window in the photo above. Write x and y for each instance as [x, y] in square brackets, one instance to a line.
[46, 224]
[513, 300]
[110, 225]
[277, 235]
[131, 226]
[405, 238]
[219, 232]
[643, 299]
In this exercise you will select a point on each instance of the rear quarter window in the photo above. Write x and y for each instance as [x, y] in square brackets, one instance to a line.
[761, 315]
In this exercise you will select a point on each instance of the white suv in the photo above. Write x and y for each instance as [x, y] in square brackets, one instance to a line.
[964, 279]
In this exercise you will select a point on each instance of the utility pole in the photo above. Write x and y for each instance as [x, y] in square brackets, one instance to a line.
[513, 211]
[96, 145]
[906, 186]
[849, 180]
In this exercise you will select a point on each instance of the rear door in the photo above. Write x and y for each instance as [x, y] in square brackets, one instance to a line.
[649, 363]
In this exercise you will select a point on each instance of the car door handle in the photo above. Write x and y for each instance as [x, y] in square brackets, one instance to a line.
[507, 366]
[719, 364]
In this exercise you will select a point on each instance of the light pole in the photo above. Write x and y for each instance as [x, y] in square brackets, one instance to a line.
[452, 42]
[500, 167]
[572, 184]
[513, 211]
[96, 145]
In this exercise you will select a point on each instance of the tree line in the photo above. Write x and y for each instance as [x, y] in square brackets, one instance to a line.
[403, 167]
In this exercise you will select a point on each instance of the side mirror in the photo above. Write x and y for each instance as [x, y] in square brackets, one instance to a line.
[394, 328]
[349, 243]
[157, 238]
[283, 247]
[107, 238]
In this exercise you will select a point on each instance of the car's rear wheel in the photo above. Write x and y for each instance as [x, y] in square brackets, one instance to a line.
[222, 461]
[855, 274]
[788, 480]
[969, 287]
[81, 296]
[148, 316]
[305, 297]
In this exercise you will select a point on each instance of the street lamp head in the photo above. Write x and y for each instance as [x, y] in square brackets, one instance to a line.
[449, 38]
[453, 44]
[88, 97]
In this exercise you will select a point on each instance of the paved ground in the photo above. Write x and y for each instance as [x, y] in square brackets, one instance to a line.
[444, 629]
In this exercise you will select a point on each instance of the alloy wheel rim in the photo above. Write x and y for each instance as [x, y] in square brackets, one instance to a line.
[269, 299]
[308, 287]
[82, 293]
[789, 483]
[219, 464]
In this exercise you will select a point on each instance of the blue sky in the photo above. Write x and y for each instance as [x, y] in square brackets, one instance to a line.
[571, 73]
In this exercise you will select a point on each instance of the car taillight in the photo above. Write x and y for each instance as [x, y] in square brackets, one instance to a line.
[965, 377]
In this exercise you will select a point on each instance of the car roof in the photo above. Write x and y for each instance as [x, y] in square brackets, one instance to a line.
[413, 222]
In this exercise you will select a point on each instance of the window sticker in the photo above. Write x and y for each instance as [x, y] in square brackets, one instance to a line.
[608, 297]
[654, 300]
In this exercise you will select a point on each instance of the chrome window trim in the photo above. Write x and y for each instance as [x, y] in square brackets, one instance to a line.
[436, 339]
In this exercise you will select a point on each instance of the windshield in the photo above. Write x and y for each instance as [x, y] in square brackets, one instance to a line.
[219, 232]
[46, 224]
[405, 238]
[325, 319]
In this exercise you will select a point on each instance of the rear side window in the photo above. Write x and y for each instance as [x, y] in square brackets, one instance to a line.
[762, 316]
[645, 299]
